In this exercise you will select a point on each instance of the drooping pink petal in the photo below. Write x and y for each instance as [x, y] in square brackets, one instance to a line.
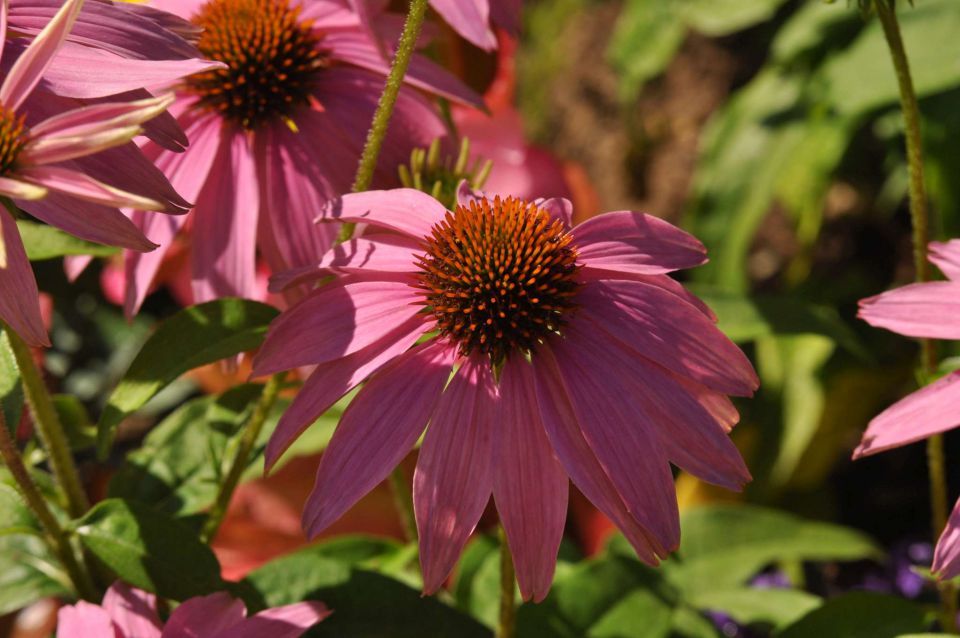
[31, 64]
[506, 15]
[74, 265]
[15, 189]
[4, 15]
[289, 621]
[930, 310]
[82, 186]
[377, 431]
[717, 404]
[205, 616]
[19, 305]
[529, 484]
[375, 254]
[930, 410]
[187, 172]
[469, 18]
[690, 435]
[946, 256]
[946, 556]
[134, 611]
[675, 335]
[628, 241]
[559, 208]
[578, 459]
[454, 476]
[665, 282]
[402, 210]
[618, 429]
[185, 9]
[100, 224]
[334, 321]
[330, 381]
[225, 224]
[83, 620]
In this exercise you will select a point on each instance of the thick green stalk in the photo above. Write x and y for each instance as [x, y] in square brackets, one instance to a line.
[55, 535]
[936, 462]
[381, 118]
[48, 427]
[506, 627]
[241, 459]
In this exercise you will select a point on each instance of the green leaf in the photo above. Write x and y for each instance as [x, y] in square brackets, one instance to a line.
[191, 338]
[28, 572]
[723, 546]
[15, 516]
[149, 550]
[367, 603]
[749, 605]
[11, 387]
[46, 242]
[722, 17]
[647, 35]
[859, 615]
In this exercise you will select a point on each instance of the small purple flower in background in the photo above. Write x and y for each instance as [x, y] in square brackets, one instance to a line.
[627, 371]
[39, 170]
[276, 135]
[127, 612]
[929, 310]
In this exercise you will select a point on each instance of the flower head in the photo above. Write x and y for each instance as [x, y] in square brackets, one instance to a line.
[49, 167]
[276, 134]
[928, 310]
[127, 612]
[572, 354]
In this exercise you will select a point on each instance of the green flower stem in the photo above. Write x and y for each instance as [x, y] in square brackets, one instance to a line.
[506, 627]
[55, 535]
[48, 427]
[886, 12]
[381, 118]
[403, 501]
[251, 433]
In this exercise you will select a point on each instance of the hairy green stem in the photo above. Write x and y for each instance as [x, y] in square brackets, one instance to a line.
[936, 462]
[403, 502]
[248, 441]
[381, 118]
[54, 534]
[506, 627]
[48, 427]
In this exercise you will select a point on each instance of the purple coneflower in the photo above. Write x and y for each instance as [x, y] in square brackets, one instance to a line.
[572, 354]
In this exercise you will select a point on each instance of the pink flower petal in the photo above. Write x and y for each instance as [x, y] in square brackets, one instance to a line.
[618, 429]
[946, 255]
[330, 381]
[628, 241]
[289, 621]
[665, 282]
[930, 310]
[469, 18]
[84, 620]
[454, 475]
[529, 485]
[16, 189]
[205, 616]
[225, 225]
[946, 556]
[559, 208]
[378, 255]
[134, 611]
[402, 210]
[334, 321]
[82, 186]
[19, 305]
[930, 410]
[92, 222]
[717, 404]
[673, 334]
[377, 430]
[578, 459]
[74, 265]
[30, 66]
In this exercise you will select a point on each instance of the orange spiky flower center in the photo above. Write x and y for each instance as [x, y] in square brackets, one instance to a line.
[13, 138]
[499, 276]
[272, 59]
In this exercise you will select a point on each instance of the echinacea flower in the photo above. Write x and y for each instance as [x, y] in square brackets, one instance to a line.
[928, 310]
[127, 612]
[573, 355]
[277, 135]
[40, 173]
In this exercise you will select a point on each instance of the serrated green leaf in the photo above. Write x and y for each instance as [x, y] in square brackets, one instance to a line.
[15, 517]
[46, 242]
[149, 549]
[193, 337]
[860, 615]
